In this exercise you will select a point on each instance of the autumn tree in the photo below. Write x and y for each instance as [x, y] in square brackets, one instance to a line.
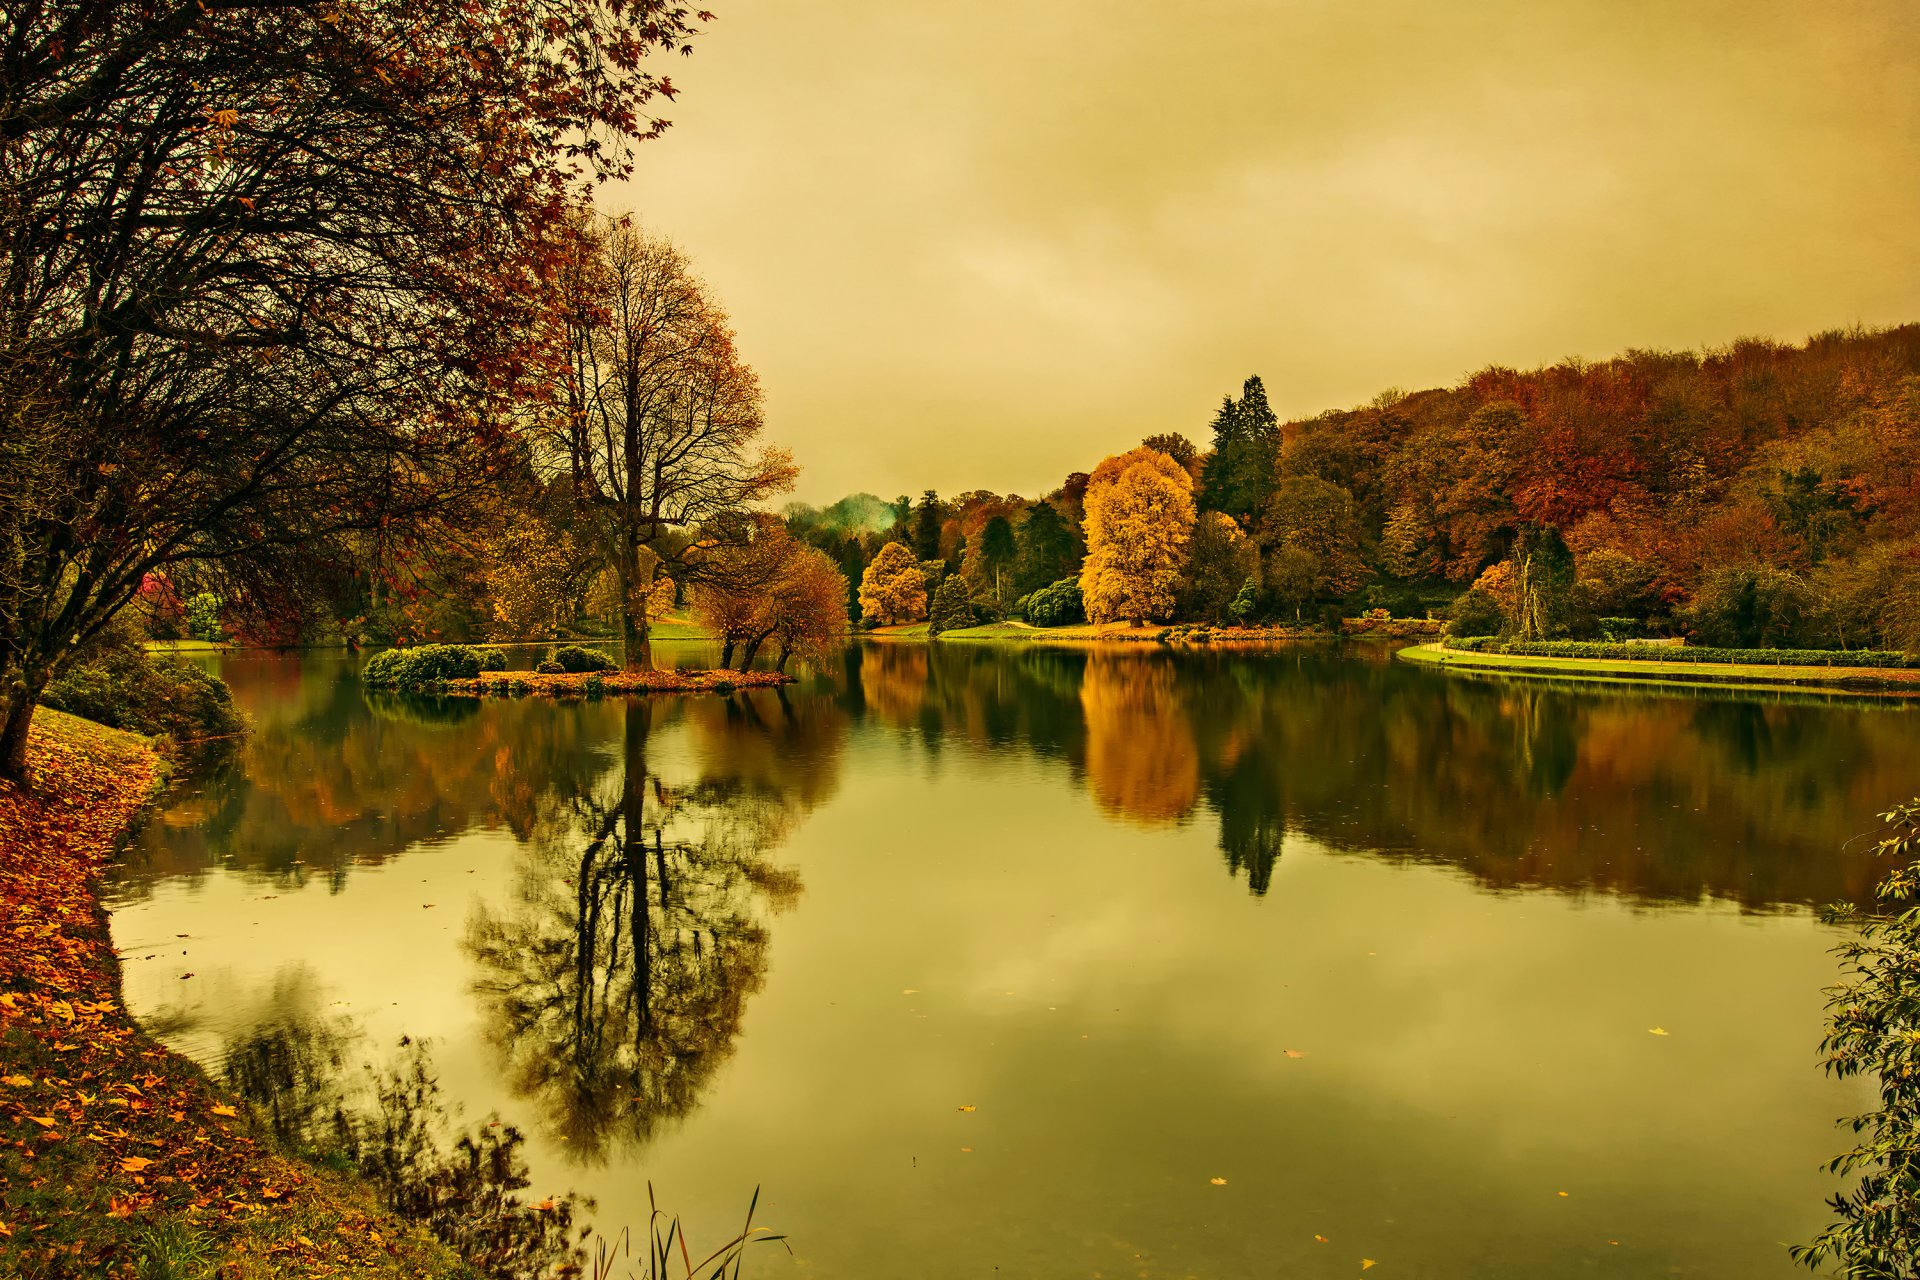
[1317, 526]
[1220, 559]
[659, 433]
[1140, 515]
[1047, 552]
[272, 274]
[892, 590]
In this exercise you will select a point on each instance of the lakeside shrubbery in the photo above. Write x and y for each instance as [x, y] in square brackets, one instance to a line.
[1681, 653]
[428, 663]
[119, 686]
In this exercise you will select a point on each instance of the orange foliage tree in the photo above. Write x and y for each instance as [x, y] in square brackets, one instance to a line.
[1139, 517]
[893, 590]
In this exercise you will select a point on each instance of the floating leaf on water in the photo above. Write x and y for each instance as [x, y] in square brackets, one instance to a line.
[1656, 1031]
[1296, 1053]
[968, 1107]
[1218, 1182]
[1365, 1263]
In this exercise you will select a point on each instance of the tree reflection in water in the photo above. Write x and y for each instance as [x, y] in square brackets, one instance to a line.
[390, 1126]
[616, 985]
[1659, 794]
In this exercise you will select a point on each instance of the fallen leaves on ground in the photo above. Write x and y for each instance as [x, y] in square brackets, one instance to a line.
[105, 1133]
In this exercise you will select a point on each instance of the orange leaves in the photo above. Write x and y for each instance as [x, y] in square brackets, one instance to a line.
[223, 1110]
[135, 1164]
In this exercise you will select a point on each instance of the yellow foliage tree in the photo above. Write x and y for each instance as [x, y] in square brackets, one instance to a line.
[1139, 517]
[892, 589]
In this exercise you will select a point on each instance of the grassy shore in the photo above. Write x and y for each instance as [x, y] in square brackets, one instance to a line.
[119, 1158]
[1754, 675]
[1103, 633]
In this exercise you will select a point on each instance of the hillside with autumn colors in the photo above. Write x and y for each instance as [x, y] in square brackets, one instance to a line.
[1756, 494]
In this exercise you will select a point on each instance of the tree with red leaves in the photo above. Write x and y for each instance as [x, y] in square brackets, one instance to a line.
[274, 272]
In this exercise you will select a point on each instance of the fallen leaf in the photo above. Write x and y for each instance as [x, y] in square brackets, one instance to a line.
[966, 1148]
[1218, 1182]
[1322, 1239]
[18, 1082]
[969, 1107]
[1366, 1263]
[225, 1111]
[45, 1122]
[911, 991]
[1296, 1053]
[545, 1206]
[134, 1164]
[1656, 1031]
[1561, 1194]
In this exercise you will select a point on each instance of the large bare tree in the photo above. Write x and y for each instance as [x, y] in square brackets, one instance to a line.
[273, 272]
[661, 422]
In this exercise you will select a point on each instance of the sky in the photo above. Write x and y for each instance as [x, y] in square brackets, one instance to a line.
[980, 245]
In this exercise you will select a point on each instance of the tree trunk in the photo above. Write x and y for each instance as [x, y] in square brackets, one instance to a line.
[726, 653]
[633, 851]
[780, 664]
[636, 584]
[21, 701]
[753, 649]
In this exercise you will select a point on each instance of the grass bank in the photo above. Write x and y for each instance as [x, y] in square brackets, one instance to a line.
[1751, 675]
[119, 1158]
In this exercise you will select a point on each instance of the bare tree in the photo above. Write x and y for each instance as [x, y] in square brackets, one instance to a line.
[661, 420]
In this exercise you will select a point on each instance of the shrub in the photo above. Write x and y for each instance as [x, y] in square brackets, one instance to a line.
[548, 667]
[1870, 1020]
[576, 659]
[596, 687]
[1058, 605]
[119, 686]
[493, 660]
[423, 664]
[1476, 613]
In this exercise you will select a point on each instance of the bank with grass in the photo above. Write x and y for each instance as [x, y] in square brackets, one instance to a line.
[1662, 664]
[119, 1158]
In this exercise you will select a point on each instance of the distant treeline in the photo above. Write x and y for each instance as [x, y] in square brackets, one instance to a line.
[1752, 495]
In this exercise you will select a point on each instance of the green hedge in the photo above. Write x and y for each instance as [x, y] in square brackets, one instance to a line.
[422, 664]
[1682, 653]
[576, 659]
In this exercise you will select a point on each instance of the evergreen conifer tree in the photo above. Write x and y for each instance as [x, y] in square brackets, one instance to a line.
[926, 526]
[952, 606]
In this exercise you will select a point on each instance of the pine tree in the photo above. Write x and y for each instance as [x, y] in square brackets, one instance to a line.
[952, 606]
[1246, 454]
[926, 526]
[1047, 552]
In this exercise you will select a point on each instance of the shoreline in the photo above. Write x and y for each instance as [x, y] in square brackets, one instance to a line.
[118, 1156]
[1885, 681]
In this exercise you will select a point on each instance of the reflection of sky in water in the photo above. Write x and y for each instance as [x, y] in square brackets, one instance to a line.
[1016, 897]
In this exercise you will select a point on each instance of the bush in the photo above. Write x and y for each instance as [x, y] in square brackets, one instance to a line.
[595, 687]
[1058, 605]
[423, 664]
[1476, 613]
[493, 659]
[548, 667]
[576, 659]
[119, 686]
[952, 606]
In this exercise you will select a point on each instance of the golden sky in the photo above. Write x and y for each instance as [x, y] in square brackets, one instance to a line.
[983, 244]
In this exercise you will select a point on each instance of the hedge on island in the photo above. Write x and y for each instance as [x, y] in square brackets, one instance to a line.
[428, 664]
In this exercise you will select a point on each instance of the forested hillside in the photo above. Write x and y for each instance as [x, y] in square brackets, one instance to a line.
[1752, 494]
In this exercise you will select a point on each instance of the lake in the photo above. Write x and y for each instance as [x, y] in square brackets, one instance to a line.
[1028, 962]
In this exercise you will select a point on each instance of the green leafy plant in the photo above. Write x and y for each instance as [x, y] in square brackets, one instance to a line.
[574, 658]
[1878, 658]
[1873, 1030]
[421, 665]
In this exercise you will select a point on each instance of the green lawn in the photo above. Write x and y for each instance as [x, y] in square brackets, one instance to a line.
[1892, 679]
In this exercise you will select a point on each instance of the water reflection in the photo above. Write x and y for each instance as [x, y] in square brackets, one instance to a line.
[1670, 795]
[617, 981]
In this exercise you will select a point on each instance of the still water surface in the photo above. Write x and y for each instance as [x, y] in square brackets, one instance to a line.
[992, 961]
